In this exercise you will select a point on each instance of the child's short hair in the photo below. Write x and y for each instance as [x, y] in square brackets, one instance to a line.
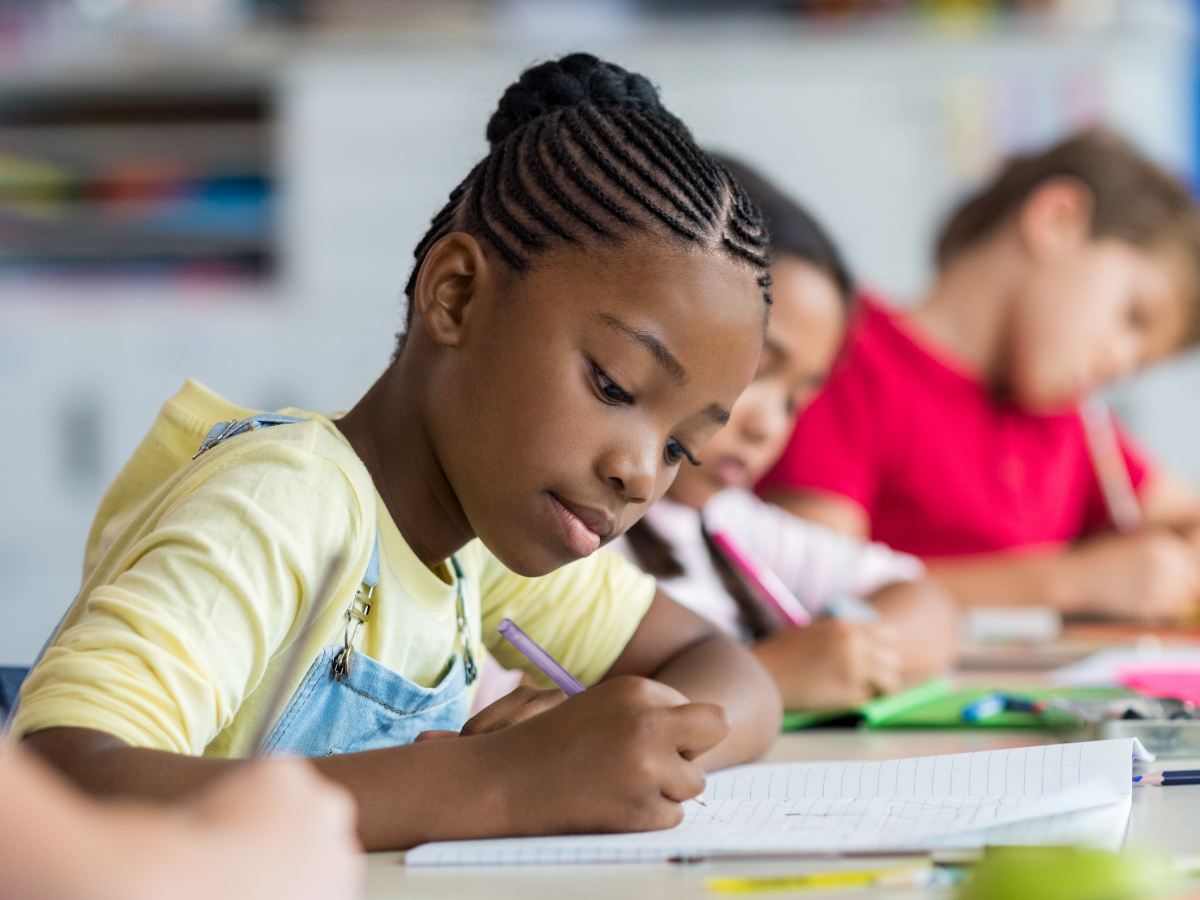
[794, 232]
[1134, 200]
[583, 150]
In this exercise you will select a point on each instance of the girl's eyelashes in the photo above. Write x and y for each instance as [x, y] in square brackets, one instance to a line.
[610, 391]
[676, 452]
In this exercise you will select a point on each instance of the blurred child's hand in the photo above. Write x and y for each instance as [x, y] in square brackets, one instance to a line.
[833, 663]
[618, 757]
[1151, 575]
[517, 706]
[274, 828]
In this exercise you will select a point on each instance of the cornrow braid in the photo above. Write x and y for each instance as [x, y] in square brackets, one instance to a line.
[613, 146]
[583, 150]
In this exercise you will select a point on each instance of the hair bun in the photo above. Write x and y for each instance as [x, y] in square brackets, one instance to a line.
[566, 82]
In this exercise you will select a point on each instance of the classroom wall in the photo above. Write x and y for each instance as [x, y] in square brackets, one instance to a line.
[877, 131]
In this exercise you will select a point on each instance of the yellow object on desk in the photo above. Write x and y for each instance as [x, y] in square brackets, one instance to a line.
[911, 875]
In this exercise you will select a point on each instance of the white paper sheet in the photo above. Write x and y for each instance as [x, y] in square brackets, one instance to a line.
[1074, 793]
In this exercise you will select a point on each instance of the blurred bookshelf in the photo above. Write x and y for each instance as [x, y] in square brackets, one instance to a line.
[138, 179]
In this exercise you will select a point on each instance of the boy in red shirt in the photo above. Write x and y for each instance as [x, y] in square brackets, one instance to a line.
[952, 430]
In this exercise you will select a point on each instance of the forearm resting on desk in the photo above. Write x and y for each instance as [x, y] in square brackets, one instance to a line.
[1152, 574]
[389, 786]
[621, 756]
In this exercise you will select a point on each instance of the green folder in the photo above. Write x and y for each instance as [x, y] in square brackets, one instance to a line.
[873, 712]
[938, 704]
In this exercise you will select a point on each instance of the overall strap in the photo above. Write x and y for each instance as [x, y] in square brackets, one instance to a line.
[360, 604]
[223, 431]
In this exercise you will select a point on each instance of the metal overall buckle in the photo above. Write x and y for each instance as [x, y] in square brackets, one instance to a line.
[470, 669]
[217, 434]
[356, 615]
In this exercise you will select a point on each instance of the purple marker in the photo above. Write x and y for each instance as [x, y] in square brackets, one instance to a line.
[545, 663]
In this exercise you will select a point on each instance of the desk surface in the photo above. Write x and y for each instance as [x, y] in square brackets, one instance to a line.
[1166, 819]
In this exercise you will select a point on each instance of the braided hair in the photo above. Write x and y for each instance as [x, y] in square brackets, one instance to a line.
[583, 150]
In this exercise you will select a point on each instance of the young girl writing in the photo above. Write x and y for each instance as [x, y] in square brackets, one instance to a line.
[564, 311]
[833, 663]
[953, 430]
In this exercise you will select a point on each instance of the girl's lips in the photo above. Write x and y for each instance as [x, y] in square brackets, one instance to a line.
[579, 537]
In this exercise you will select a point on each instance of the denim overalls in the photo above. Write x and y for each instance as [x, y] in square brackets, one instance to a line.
[348, 702]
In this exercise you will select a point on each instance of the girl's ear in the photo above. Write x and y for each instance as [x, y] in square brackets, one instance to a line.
[1056, 217]
[451, 276]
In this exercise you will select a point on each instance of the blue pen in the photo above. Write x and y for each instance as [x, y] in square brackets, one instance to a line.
[1165, 779]
[984, 708]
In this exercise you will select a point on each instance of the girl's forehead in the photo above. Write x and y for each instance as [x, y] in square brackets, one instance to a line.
[651, 278]
[696, 316]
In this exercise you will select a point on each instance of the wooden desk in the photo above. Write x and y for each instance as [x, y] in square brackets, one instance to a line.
[1167, 819]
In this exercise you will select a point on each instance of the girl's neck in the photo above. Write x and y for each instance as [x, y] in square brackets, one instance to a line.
[967, 309]
[387, 429]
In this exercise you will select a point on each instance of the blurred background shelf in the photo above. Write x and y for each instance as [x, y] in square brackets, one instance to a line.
[145, 179]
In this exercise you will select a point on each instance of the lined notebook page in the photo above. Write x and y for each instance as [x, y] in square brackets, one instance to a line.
[1073, 793]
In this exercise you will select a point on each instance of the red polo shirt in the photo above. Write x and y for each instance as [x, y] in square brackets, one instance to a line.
[941, 467]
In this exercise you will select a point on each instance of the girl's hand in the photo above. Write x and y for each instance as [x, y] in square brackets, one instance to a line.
[618, 757]
[523, 703]
[833, 663]
[517, 706]
[1152, 575]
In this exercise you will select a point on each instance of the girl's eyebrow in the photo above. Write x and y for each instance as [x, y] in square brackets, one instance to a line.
[717, 413]
[664, 357]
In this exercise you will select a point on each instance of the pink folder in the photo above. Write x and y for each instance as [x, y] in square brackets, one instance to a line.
[1178, 684]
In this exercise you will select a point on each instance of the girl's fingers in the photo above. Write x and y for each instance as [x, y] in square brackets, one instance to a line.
[697, 727]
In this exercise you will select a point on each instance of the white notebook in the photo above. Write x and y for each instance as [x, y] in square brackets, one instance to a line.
[1061, 793]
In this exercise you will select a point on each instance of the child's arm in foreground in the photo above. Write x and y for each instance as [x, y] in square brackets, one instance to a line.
[620, 756]
[264, 831]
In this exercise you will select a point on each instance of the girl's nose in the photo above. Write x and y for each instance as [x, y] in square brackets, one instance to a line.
[631, 470]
